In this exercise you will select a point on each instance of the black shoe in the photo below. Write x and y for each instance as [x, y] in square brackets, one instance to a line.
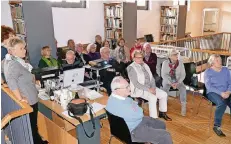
[218, 131]
[164, 116]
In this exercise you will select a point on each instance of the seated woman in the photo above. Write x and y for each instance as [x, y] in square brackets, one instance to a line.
[151, 60]
[143, 85]
[173, 74]
[218, 89]
[93, 55]
[47, 60]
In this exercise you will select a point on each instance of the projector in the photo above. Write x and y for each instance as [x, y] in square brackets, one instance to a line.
[98, 63]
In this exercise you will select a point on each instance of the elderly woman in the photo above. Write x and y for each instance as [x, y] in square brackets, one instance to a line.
[93, 55]
[47, 60]
[21, 81]
[121, 53]
[143, 85]
[218, 89]
[6, 34]
[71, 59]
[80, 55]
[151, 60]
[173, 74]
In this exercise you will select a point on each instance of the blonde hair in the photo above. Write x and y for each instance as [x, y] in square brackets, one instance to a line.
[212, 58]
[136, 52]
[43, 50]
[14, 41]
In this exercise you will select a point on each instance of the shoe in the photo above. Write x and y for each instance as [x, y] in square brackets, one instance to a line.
[183, 109]
[164, 116]
[218, 131]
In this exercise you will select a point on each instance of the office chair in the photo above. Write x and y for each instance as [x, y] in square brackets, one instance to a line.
[119, 129]
[149, 38]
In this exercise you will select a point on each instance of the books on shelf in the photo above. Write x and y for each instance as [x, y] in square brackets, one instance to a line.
[165, 37]
[170, 20]
[168, 29]
[113, 23]
[19, 26]
[113, 34]
[169, 12]
[16, 11]
[114, 11]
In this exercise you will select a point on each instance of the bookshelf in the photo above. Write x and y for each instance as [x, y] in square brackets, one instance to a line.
[18, 19]
[172, 22]
[119, 20]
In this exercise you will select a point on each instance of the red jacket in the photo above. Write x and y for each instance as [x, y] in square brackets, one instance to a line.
[140, 47]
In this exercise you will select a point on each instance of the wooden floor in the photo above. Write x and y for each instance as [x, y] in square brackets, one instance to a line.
[192, 129]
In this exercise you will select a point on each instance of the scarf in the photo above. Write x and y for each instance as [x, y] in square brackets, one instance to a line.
[173, 67]
[147, 56]
[20, 60]
[122, 56]
[51, 62]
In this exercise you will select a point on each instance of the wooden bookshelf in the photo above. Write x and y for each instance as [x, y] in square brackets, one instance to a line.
[116, 22]
[172, 22]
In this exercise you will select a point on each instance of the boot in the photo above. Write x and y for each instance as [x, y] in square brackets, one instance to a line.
[183, 109]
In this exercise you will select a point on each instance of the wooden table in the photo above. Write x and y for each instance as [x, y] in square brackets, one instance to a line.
[69, 126]
[220, 52]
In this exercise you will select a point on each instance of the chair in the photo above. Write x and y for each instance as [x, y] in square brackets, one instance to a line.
[119, 129]
[204, 96]
[190, 69]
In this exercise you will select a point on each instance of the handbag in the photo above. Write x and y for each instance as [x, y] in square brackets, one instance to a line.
[78, 107]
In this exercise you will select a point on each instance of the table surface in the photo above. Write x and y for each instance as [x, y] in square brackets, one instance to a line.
[220, 52]
[57, 108]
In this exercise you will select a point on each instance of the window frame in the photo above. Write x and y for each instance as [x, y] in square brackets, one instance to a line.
[146, 7]
[64, 4]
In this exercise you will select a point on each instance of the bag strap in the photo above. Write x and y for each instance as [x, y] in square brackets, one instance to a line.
[81, 122]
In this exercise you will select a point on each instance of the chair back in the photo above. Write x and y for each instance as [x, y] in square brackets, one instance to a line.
[206, 96]
[119, 128]
[190, 69]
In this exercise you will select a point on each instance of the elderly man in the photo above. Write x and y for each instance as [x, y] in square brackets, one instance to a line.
[106, 75]
[173, 74]
[71, 59]
[142, 128]
[151, 60]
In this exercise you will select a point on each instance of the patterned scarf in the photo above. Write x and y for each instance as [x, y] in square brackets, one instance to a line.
[20, 60]
[173, 67]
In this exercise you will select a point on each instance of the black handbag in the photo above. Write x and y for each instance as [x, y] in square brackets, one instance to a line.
[78, 107]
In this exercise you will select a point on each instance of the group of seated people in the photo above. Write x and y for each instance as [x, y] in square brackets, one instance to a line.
[138, 66]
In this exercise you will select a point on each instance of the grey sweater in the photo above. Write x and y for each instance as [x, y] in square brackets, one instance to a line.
[18, 77]
[133, 76]
[180, 72]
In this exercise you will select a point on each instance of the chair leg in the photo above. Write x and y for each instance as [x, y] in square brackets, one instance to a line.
[110, 139]
[210, 115]
[199, 105]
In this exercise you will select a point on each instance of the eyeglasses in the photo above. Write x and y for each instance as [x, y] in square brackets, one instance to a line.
[123, 88]
[139, 57]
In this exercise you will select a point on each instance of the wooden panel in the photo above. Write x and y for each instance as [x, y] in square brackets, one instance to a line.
[53, 133]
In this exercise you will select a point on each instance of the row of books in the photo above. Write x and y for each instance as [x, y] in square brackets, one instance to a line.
[19, 27]
[113, 23]
[16, 11]
[113, 34]
[168, 29]
[114, 11]
[170, 21]
[171, 12]
[167, 37]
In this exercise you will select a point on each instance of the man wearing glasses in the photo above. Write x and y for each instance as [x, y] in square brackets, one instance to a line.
[142, 128]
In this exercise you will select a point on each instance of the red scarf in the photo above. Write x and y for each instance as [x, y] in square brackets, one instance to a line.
[173, 67]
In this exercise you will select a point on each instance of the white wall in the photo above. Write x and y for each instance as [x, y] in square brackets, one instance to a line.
[5, 14]
[79, 24]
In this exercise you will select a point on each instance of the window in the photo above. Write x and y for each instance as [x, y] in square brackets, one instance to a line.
[142, 4]
[69, 3]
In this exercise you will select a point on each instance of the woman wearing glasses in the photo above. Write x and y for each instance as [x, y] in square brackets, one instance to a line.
[143, 85]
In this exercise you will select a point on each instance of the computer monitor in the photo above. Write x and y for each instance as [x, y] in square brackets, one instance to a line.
[73, 77]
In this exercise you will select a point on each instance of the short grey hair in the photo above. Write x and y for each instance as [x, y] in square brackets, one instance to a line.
[116, 82]
[136, 52]
[13, 42]
[89, 46]
[70, 52]
[102, 49]
[212, 58]
[146, 44]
